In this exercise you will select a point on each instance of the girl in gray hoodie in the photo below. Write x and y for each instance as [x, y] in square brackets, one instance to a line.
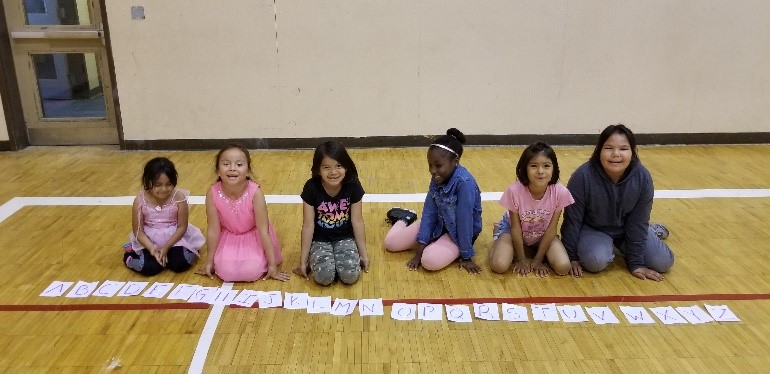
[613, 194]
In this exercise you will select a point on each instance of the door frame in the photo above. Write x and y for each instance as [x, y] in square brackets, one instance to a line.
[9, 84]
[9, 91]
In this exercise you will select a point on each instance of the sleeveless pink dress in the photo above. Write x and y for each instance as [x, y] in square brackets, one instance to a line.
[240, 255]
[159, 223]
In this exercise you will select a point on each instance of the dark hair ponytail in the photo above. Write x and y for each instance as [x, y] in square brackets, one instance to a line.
[454, 140]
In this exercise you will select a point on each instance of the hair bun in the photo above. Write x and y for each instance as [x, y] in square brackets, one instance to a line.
[457, 134]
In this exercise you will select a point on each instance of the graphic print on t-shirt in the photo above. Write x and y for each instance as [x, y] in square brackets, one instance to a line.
[534, 222]
[333, 214]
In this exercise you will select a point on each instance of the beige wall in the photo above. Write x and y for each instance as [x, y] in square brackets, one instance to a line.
[203, 69]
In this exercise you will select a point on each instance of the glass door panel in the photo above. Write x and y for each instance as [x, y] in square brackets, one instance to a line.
[57, 12]
[69, 86]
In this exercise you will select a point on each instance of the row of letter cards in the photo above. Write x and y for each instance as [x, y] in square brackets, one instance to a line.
[399, 311]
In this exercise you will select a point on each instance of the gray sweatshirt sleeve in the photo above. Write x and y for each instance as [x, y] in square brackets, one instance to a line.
[574, 214]
[637, 222]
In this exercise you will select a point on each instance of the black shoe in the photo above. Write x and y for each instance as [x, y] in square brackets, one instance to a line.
[398, 214]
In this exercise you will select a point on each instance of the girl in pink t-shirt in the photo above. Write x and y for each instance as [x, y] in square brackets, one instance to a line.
[534, 203]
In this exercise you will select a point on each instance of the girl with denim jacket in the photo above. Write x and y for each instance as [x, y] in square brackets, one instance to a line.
[451, 217]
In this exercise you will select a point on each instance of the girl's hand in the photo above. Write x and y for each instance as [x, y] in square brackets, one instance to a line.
[303, 270]
[522, 267]
[414, 263]
[365, 263]
[539, 268]
[470, 266]
[645, 273]
[159, 255]
[207, 271]
[577, 270]
[275, 273]
[164, 255]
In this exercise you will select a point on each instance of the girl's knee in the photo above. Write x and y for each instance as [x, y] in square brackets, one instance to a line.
[593, 266]
[662, 265]
[179, 266]
[151, 268]
[659, 257]
[390, 245]
[323, 269]
[349, 277]
[593, 263]
[394, 243]
[231, 276]
[596, 260]
[498, 266]
[240, 271]
[561, 268]
[400, 238]
[323, 277]
[432, 264]
[501, 254]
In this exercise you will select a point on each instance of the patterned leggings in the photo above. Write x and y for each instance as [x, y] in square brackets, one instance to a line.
[330, 259]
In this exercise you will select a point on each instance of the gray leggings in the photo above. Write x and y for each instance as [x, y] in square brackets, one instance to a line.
[331, 259]
[595, 251]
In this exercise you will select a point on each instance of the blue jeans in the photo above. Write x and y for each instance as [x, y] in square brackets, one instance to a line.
[595, 251]
[503, 226]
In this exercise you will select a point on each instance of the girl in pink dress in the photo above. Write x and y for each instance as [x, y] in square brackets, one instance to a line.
[534, 203]
[242, 244]
[161, 235]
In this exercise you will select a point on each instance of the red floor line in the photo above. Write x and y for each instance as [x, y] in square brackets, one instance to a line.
[468, 301]
[588, 299]
[81, 307]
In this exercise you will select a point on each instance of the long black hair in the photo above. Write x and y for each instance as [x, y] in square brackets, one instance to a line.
[154, 168]
[335, 151]
[527, 155]
[612, 130]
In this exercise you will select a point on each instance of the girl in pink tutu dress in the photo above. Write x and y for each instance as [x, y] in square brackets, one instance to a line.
[241, 241]
[161, 236]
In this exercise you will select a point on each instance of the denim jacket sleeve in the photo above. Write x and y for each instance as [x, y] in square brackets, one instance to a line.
[467, 191]
[428, 220]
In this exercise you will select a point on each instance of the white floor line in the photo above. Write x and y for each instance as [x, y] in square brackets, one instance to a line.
[712, 193]
[20, 202]
[16, 203]
[9, 208]
[204, 342]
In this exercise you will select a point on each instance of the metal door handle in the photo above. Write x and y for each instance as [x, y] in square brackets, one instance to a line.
[57, 34]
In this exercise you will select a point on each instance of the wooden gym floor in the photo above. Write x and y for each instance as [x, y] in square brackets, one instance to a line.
[722, 246]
